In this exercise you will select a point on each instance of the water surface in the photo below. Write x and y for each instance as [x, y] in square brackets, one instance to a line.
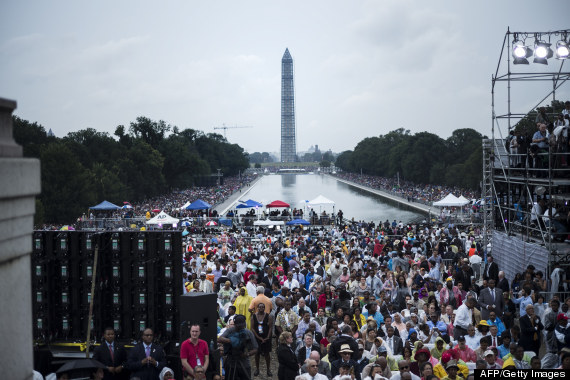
[296, 189]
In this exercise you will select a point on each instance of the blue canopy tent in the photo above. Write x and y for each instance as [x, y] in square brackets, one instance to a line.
[105, 206]
[199, 204]
[297, 222]
[225, 222]
[249, 204]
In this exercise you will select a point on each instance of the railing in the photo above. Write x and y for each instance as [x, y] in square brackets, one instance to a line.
[197, 222]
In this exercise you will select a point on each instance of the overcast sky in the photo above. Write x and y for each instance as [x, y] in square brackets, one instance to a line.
[362, 68]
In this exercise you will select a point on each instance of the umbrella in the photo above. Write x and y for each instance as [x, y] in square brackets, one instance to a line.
[127, 206]
[211, 223]
[156, 210]
[297, 222]
[249, 204]
[186, 224]
[80, 364]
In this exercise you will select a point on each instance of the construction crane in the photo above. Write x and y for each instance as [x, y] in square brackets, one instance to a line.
[237, 126]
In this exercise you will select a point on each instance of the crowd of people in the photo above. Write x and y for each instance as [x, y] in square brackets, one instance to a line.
[171, 203]
[411, 191]
[361, 301]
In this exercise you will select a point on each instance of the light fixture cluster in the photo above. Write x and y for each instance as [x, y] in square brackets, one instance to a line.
[541, 50]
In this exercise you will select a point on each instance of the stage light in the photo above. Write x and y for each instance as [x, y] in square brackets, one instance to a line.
[542, 52]
[521, 53]
[562, 50]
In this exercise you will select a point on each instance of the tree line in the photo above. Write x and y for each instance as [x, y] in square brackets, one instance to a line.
[421, 158]
[140, 161]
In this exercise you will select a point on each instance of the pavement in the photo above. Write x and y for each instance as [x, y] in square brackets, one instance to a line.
[424, 209]
[230, 201]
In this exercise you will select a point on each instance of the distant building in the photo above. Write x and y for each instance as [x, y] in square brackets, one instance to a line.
[50, 133]
[288, 129]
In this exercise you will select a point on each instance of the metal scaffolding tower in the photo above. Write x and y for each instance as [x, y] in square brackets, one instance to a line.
[514, 180]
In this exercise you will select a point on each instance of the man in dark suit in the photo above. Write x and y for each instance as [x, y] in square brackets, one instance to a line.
[491, 299]
[344, 338]
[345, 361]
[503, 283]
[308, 346]
[394, 342]
[269, 279]
[491, 270]
[322, 367]
[112, 355]
[146, 359]
[531, 330]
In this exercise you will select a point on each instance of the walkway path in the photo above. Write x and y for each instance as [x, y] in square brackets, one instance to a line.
[229, 203]
[223, 207]
[424, 209]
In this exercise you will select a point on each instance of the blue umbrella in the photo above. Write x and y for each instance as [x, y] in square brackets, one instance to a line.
[297, 222]
[186, 224]
[249, 204]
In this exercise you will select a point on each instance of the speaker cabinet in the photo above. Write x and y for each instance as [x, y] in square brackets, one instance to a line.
[201, 309]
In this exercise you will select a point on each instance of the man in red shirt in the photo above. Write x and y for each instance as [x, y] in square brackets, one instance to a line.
[194, 352]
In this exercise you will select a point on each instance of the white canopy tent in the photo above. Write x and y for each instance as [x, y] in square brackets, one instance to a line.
[463, 199]
[268, 222]
[163, 218]
[321, 201]
[451, 200]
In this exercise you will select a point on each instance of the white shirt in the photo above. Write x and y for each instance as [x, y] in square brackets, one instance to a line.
[291, 284]
[472, 342]
[398, 377]
[390, 345]
[464, 317]
[241, 266]
[318, 376]
[251, 289]
[475, 259]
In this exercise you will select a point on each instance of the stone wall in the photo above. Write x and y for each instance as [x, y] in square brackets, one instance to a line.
[19, 185]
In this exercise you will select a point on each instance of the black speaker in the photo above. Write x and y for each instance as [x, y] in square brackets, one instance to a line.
[201, 309]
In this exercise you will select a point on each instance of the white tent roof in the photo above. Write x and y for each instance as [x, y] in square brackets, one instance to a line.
[321, 201]
[463, 199]
[163, 218]
[450, 200]
[268, 222]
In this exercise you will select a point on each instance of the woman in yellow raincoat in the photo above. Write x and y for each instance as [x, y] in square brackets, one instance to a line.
[242, 305]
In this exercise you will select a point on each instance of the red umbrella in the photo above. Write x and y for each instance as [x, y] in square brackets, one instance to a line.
[211, 223]
[156, 210]
[277, 204]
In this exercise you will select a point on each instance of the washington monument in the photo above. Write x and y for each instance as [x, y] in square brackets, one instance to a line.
[288, 130]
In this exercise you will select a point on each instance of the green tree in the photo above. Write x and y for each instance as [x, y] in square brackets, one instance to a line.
[31, 136]
[141, 171]
[151, 132]
[67, 186]
[343, 161]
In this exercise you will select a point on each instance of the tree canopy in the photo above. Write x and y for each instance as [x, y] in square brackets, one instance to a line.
[146, 159]
[422, 157]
